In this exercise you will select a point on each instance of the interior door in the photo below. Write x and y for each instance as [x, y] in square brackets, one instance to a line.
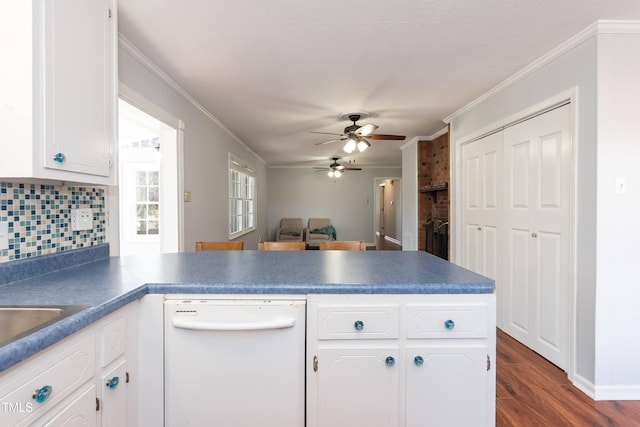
[537, 155]
[482, 194]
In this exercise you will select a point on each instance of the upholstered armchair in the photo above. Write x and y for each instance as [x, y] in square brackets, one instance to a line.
[290, 230]
[313, 237]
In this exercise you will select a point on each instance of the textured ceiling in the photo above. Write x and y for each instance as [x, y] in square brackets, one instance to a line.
[273, 71]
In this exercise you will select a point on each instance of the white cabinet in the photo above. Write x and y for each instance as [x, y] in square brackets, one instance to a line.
[59, 89]
[357, 387]
[113, 377]
[401, 360]
[31, 389]
[79, 411]
[81, 381]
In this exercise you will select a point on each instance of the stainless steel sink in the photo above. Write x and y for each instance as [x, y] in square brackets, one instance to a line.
[18, 321]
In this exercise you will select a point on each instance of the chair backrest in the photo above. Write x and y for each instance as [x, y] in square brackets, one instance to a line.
[291, 223]
[220, 246]
[315, 223]
[281, 246]
[343, 245]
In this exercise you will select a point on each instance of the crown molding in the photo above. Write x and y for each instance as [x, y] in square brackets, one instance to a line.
[143, 60]
[599, 27]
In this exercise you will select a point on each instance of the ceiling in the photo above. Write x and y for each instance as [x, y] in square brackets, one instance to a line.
[272, 71]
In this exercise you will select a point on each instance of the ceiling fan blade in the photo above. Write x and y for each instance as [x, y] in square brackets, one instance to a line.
[377, 136]
[352, 169]
[328, 142]
[366, 129]
[325, 133]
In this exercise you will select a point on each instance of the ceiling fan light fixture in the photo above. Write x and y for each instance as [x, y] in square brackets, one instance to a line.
[350, 146]
[337, 174]
[363, 144]
[330, 174]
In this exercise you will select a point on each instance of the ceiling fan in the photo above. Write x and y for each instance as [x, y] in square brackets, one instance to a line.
[336, 169]
[358, 136]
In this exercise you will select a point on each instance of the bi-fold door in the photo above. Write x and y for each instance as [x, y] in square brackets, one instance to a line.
[517, 187]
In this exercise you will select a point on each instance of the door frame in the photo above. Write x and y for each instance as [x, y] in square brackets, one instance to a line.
[113, 222]
[456, 249]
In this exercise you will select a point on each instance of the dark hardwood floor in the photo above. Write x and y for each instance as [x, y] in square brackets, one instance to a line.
[531, 391]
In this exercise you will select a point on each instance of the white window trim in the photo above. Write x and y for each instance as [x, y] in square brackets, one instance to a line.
[239, 165]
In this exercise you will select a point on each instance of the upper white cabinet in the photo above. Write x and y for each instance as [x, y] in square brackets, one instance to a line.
[58, 90]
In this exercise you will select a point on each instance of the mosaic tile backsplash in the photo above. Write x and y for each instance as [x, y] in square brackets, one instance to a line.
[39, 217]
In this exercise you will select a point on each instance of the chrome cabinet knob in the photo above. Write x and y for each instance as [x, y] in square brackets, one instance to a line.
[390, 361]
[59, 158]
[418, 360]
[358, 325]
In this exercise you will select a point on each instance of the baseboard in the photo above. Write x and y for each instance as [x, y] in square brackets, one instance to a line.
[607, 392]
[392, 240]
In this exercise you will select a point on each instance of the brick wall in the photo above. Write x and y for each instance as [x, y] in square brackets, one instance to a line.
[433, 170]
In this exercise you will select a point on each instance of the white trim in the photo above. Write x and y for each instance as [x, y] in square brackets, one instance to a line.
[136, 54]
[599, 27]
[237, 164]
[142, 103]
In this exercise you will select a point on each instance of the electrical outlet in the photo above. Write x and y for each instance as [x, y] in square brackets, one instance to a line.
[81, 219]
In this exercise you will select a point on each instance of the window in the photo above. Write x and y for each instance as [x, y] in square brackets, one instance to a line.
[147, 202]
[242, 203]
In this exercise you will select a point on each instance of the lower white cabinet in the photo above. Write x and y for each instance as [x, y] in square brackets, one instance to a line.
[79, 411]
[357, 384]
[113, 395]
[400, 360]
[80, 381]
[448, 386]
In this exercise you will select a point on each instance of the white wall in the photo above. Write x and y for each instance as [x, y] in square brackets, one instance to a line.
[410, 195]
[618, 234]
[205, 152]
[304, 193]
[604, 70]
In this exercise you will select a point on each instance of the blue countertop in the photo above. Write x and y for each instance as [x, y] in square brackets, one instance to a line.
[106, 284]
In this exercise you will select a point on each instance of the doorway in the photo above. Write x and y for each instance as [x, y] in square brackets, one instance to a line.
[149, 211]
[387, 209]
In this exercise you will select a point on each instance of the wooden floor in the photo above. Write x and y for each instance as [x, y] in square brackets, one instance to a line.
[383, 244]
[531, 391]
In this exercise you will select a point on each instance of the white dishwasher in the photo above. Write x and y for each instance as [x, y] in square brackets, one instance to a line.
[234, 363]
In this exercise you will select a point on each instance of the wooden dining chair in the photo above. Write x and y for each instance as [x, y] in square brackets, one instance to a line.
[343, 245]
[281, 246]
[220, 246]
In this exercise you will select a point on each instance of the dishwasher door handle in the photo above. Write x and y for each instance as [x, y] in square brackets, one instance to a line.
[191, 323]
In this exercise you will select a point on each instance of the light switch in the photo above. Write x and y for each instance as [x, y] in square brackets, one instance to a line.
[621, 185]
[4, 235]
[81, 219]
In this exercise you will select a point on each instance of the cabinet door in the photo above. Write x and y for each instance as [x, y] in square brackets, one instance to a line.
[449, 386]
[357, 387]
[79, 412]
[113, 389]
[79, 93]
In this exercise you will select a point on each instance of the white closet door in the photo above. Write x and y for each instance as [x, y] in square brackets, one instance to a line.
[482, 195]
[537, 199]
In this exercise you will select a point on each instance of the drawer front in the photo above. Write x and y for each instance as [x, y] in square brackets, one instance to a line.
[113, 340]
[447, 321]
[60, 372]
[363, 322]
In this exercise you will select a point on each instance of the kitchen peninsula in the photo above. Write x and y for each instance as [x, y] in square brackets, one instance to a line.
[434, 323]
